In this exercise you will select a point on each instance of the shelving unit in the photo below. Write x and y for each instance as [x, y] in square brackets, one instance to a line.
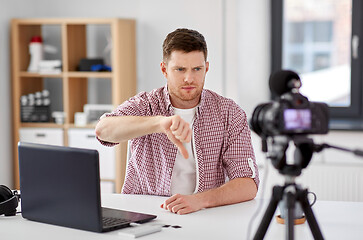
[74, 84]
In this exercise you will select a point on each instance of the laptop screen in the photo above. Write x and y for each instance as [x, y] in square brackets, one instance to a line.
[60, 185]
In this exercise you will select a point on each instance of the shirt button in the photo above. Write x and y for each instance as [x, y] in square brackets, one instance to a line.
[170, 170]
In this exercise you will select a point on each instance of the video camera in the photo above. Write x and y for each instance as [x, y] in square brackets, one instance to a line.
[289, 119]
[292, 113]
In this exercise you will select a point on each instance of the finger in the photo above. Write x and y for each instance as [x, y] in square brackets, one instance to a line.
[177, 208]
[183, 151]
[169, 200]
[179, 145]
[175, 205]
[181, 128]
[175, 123]
[172, 138]
[184, 210]
[184, 136]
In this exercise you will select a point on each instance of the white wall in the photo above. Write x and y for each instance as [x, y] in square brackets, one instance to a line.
[254, 53]
[8, 10]
[155, 18]
[159, 17]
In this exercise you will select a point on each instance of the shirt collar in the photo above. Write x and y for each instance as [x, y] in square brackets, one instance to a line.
[168, 106]
[202, 102]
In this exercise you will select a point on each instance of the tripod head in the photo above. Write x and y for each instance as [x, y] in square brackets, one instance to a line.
[276, 147]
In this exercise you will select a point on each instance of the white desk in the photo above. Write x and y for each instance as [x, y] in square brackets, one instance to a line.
[337, 220]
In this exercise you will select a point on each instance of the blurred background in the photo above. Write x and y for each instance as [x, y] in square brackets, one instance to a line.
[247, 41]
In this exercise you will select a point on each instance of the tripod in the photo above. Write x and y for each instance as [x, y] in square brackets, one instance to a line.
[290, 192]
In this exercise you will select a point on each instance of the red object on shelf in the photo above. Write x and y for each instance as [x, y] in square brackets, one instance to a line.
[36, 39]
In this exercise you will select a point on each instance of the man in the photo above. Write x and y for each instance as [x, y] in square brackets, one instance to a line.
[185, 140]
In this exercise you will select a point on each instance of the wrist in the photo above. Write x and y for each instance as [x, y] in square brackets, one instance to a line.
[158, 124]
[205, 199]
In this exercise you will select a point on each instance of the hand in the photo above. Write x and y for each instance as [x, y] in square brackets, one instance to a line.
[183, 204]
[178, 131]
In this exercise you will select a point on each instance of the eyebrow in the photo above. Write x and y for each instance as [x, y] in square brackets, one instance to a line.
[201, 66]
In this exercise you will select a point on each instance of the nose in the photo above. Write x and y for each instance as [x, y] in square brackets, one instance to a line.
[188, 78]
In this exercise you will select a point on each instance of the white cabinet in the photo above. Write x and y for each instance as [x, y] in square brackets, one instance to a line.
[51, 136]
[86, 138]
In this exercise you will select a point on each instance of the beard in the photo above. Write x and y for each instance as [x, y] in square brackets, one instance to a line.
[179, 95]
[195, 94]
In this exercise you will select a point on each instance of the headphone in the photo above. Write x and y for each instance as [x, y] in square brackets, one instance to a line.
[8, 201]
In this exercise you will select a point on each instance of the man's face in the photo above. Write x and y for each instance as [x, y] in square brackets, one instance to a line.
[185, 74]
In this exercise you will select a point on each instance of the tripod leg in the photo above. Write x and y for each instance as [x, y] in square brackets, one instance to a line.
[271, 208]
[289, 222]
[313, 224]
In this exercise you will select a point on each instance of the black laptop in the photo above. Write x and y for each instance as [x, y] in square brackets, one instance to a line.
[61, 186]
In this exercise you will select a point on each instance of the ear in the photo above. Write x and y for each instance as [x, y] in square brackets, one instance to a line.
[163, 68]
[206, 67]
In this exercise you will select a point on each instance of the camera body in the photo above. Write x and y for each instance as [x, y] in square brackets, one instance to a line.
[291, 114]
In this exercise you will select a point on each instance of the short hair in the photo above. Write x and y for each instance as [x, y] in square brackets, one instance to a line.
[186, 40]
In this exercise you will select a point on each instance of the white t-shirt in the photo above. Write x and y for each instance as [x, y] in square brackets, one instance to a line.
[183, 179]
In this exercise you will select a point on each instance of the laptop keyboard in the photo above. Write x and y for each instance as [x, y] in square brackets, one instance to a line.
[110, 221]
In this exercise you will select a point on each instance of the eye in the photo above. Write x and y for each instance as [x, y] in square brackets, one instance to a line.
[180, 69]
[197, 69]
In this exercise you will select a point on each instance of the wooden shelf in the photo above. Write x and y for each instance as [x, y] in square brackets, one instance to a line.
[72, 85]
[69, 21]
[75, 126]
[54, 125]
[67, 74]
[38, 75]
[89, 74]
[41, 125]
[108, 180]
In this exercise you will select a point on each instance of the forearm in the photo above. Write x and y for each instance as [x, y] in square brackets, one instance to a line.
[122, 128]
[234, 191]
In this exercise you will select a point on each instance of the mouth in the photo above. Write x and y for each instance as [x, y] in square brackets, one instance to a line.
[188, 88]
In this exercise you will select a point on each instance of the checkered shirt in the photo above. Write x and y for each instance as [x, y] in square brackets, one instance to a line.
[222, 142]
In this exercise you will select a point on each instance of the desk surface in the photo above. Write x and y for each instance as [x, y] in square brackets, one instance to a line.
[337, 220]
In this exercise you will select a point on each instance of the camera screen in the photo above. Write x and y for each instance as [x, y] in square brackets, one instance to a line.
[297, 119]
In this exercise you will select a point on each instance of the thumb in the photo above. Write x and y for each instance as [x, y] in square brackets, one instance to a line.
[183, 151]
[179, 144]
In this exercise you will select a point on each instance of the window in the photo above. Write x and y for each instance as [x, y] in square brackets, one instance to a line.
[316, 39]
[305, 48]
